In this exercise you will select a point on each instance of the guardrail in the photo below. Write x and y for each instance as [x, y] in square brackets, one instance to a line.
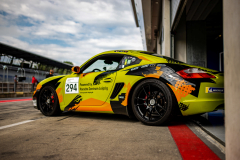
[21, 87]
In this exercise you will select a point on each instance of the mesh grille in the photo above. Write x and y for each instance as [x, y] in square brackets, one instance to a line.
[117, 89]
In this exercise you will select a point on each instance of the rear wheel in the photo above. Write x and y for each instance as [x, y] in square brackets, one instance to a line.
[152, 102]
[48, 101]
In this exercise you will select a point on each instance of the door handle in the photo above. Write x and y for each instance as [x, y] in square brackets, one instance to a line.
[107, 80]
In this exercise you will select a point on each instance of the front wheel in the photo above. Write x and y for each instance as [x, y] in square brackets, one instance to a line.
[152, 102]
[48, 101]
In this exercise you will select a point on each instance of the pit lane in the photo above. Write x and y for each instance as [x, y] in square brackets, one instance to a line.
[30, 135]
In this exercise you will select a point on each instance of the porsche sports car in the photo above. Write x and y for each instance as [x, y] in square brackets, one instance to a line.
[140, 84]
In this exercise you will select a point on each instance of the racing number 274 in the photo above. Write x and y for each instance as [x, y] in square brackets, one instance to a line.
[71, 87]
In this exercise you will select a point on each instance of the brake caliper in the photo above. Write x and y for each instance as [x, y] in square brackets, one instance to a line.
[52, 98]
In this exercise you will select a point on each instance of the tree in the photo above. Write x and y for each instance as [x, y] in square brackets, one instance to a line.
[68, 62]
[60, 71]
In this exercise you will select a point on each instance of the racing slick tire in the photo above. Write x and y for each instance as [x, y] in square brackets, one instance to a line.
[152, 102]
[48, 101]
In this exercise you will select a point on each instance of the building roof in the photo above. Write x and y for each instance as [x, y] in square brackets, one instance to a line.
[26, 55]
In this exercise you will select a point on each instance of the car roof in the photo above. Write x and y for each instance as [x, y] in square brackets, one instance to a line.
[141, 53]
[130, 52]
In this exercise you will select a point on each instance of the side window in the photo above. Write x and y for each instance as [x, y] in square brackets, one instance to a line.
[129, 60]
[104, 63]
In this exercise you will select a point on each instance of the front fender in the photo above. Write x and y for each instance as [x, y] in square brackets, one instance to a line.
[53, 81]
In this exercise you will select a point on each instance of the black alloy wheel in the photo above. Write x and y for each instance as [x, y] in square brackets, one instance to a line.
[48, 101]
[152, 102]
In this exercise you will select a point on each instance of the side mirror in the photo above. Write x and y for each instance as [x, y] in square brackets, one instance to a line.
[76, 69]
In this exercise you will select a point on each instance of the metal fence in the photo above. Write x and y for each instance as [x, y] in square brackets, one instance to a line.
[7, 74]
[21, 87]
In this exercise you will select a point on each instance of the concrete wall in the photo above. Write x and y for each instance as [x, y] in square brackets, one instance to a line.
[146, 7]
[180, 45]
[231, 34]
[174, 7]
[139, 10]
[196, 43]
[158, 45]
[166, 43]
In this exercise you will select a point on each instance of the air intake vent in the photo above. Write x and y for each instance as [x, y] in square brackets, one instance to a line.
[117, 89]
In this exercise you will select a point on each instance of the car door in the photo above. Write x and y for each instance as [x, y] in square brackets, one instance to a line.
[95, 87]
[96, 80]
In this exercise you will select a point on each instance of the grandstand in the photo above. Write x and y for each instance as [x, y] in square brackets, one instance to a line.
[24, 64]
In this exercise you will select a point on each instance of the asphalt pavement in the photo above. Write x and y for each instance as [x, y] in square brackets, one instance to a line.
[27, 134]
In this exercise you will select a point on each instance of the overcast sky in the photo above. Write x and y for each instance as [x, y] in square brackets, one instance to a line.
[72, 30]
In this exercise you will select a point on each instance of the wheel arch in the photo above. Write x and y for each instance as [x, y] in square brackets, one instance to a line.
[176, 110]
[38, 92]
[54, 105]
[54, 83]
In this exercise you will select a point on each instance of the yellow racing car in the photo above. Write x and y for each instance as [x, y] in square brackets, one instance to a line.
[138, 84]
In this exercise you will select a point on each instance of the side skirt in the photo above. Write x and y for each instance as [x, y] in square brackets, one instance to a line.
[118, 108]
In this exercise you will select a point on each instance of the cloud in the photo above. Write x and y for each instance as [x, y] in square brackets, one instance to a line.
[69, 30]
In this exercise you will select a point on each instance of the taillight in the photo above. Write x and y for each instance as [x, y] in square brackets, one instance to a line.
[194, 73]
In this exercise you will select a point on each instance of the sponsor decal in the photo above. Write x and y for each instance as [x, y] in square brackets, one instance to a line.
[152, 65]
[145, 66]
[134, 68]
[214, 90]
[71, 85]
[87, 84]
[120, 51]
[93, 88]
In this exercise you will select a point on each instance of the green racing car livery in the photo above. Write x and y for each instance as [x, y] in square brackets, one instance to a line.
[138, 84]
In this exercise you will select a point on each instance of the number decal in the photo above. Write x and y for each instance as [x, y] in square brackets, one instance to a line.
[71, 85]
[75, 87]
[67, 88]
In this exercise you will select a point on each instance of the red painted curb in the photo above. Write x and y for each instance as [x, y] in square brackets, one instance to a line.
[189, 145]
[15, 100]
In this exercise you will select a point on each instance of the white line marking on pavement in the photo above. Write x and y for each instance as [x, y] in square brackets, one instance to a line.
[15, 124]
